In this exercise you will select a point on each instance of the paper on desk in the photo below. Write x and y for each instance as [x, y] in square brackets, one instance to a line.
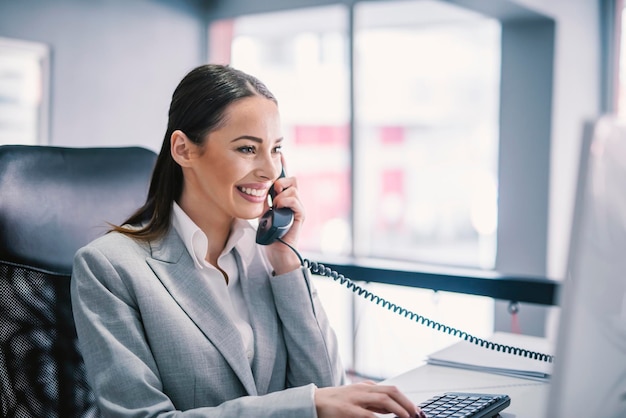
[467, 355]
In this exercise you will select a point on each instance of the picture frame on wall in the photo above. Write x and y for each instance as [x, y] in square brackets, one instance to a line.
[24, 92]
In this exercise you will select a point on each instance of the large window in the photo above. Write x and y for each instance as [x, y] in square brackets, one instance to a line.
[424, 124]
[392, 132]
[426, 104]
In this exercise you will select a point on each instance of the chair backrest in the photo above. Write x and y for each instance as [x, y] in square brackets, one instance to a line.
[53, 200]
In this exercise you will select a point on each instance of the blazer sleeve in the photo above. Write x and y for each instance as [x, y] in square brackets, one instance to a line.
[121, 368]
[311, 341]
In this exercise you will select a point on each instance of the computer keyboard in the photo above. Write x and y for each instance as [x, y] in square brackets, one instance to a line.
[465, 405]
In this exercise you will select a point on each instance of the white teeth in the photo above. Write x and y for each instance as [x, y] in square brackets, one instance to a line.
[253, 192]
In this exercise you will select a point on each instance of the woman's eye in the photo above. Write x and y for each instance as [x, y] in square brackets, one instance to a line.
[247, 149]
[278, 149]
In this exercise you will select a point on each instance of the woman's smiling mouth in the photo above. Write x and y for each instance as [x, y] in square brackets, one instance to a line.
[253, 194]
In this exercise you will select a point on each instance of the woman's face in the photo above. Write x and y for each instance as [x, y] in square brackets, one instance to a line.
[231, 173]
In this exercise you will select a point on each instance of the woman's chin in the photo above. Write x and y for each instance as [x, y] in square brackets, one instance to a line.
[250, 216]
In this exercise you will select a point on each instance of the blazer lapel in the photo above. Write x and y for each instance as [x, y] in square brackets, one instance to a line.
[174, 267]
[263, 318]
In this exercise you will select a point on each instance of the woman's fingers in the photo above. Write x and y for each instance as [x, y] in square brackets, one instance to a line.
[364, 399]
[389, 399]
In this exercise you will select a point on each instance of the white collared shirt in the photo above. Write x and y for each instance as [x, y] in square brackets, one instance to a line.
[231, 294]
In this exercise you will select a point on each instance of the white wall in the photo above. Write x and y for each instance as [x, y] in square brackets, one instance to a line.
[114, 64]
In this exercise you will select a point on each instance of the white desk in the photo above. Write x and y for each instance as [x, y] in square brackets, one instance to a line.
[528, 397]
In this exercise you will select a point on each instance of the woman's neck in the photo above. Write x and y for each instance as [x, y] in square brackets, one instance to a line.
[217, 228]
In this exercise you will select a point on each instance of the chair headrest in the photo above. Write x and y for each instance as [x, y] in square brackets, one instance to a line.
[54, 200]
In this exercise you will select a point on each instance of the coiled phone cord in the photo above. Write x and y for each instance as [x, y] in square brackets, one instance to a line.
[322, 270]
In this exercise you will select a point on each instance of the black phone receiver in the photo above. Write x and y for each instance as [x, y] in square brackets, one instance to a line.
[275, 223]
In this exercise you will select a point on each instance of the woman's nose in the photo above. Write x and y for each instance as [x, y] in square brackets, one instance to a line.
[269, 167]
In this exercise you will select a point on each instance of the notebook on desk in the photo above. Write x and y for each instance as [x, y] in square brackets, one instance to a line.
[589, 378]
[466, 355]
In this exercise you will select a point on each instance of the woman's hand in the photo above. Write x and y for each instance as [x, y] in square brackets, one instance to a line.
[364, 400]
[282, 258]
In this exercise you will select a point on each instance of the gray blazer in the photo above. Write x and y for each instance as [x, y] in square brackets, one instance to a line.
[156, 343]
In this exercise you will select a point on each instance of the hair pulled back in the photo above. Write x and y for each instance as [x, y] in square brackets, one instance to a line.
[198, 105]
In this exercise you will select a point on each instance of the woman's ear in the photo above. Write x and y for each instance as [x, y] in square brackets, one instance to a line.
[180, 147]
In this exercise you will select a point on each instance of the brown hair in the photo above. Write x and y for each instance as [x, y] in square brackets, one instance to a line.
[197, 108]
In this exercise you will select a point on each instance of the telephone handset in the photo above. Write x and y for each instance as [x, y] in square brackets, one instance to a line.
[275, 223]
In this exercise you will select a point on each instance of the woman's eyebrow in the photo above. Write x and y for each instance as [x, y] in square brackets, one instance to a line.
[253, 138]
[248, 137]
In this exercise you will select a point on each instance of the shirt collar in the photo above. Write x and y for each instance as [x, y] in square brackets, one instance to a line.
[242, 236]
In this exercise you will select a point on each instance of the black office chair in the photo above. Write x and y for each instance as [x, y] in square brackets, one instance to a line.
[54, 200]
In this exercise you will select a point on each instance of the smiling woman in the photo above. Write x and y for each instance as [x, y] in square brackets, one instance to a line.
[228, 169]
[182, 305]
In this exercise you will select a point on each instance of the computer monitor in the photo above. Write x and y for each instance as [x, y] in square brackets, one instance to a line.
[589, 378]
